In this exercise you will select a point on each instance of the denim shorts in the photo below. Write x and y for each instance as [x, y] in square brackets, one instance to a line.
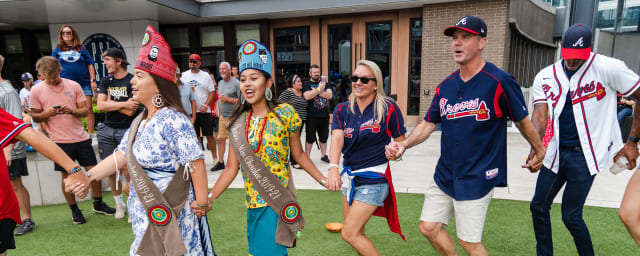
[371, 194]
[87, 90]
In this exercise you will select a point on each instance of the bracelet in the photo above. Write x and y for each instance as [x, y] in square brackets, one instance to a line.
[202, 206]
[74, 170]
[334, 165]
[319, 89]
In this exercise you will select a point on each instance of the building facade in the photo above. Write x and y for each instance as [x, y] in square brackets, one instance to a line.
[403, 37]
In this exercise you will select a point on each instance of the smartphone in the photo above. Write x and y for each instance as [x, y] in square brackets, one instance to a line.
[56, 106]
[323, 79]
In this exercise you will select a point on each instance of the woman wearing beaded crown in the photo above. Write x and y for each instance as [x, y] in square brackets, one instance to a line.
[165, 162]
[262, 132]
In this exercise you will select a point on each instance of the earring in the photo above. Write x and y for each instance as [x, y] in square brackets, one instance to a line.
[268, 95]
[242, 100]
[157, 101]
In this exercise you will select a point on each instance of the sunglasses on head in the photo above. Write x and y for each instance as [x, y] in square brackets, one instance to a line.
[364, 80]
[66, 32]
[193, 61]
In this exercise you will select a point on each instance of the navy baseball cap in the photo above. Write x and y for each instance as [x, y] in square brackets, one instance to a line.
[576, 42]
[26, 76]
[252, 54]
[471, 24]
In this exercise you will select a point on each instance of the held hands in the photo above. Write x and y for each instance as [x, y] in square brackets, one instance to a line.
[78, 184]
[630, 151]
[534, 160]
[322, 85]
[394, 150]
[198, 210]
[203, 109]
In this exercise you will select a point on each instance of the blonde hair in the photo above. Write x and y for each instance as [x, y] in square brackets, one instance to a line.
[48, 66]
[1, 62]
[380, 102]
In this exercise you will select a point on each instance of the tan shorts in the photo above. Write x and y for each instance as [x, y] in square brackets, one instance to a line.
[222, 127]
[470, 214]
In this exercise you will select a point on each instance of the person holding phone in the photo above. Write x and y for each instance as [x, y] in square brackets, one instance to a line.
[317, 95]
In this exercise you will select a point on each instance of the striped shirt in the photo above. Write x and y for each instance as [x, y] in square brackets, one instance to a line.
[298, 102]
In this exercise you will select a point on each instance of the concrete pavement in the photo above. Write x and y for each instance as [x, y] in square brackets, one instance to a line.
[409, 175]
[418, 165]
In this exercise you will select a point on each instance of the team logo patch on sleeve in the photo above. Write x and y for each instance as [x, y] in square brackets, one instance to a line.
[490, 174]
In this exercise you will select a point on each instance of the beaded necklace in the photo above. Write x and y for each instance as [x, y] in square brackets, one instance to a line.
[246, 131]
[149, 118]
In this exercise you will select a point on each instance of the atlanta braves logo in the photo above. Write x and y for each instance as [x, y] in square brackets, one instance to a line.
[371, 124]
[348, 132]
[580, 42]
[550, 95]
[588, 91]
[465, 109]
[462, 21]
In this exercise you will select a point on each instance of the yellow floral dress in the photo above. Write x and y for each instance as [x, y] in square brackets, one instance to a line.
[274, 148]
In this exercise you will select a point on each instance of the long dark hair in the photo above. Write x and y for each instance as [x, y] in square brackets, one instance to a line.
[170, 93]
[239, 108]
[76, 44]
[291, 79]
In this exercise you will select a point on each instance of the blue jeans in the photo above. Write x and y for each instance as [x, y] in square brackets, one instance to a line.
[623, 113]
[574, 172]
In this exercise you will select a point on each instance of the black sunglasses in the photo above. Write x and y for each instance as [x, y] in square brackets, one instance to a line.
[66, 32]
[193, 61]
[364, 80]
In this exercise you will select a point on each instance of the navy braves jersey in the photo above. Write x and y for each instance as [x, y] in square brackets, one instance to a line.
[364, 138]
[473, 115]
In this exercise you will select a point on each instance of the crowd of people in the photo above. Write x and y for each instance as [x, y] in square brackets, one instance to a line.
[151, 143]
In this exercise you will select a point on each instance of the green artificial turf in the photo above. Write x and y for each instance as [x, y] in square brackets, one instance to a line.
[508, 229]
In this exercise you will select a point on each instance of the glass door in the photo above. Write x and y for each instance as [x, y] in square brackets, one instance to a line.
[378, 49]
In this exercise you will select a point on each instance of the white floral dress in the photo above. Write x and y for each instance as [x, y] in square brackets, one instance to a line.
[162, 144]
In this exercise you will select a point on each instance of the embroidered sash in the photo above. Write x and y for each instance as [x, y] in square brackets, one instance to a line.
[282, 200]
[163, 234]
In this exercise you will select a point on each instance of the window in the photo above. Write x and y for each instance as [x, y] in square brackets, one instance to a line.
[245, 32]
[291, 54]
[177, 37]
[415, 54]
[211, 36]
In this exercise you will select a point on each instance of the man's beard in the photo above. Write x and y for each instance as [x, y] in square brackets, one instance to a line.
[193, 68]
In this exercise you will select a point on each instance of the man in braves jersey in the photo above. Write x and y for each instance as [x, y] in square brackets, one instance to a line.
[578, 93]
[472, 105]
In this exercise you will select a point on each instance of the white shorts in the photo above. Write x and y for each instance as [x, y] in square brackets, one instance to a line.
[470, 214]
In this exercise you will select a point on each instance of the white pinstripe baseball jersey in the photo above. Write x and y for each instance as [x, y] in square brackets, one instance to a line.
[593, 93]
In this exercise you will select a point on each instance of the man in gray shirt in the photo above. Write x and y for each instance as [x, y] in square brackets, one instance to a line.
[17, 158]
[228, 95]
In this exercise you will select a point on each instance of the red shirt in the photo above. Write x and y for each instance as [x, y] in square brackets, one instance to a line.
[10, 126]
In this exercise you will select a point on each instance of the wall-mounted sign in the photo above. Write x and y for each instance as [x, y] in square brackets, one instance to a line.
[96, 44]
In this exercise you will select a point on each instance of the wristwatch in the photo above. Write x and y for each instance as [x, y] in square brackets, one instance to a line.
[93, 80]
[633, 139]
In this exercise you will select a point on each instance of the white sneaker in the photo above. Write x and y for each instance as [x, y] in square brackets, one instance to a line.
[120, 209]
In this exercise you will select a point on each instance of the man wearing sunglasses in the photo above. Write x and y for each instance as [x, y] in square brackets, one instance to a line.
[318, 95]
[473, 105]
[203, 89]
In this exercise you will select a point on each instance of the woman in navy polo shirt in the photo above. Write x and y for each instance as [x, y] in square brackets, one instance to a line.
[361, 129]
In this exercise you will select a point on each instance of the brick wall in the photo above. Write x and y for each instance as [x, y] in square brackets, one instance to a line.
[437, 60]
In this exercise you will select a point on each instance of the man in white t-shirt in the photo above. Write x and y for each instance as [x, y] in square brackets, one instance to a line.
[203, 89]
[27, 81]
